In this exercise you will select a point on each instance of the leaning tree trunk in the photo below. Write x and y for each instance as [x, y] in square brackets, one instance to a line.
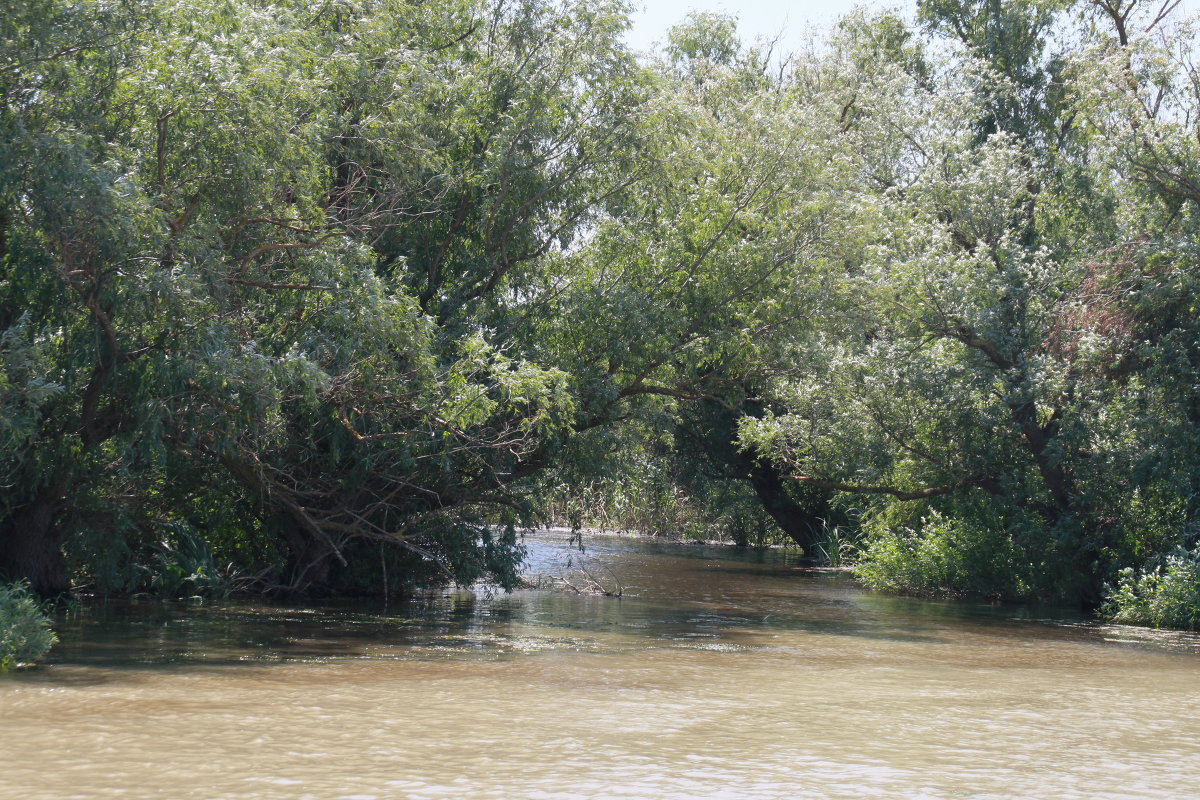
[798, 521]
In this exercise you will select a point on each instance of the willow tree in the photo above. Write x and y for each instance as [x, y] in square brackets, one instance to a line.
[66, 220]
[253, 260]
[1007, 395]
[704, 272]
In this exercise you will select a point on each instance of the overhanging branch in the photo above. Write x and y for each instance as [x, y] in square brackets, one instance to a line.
[985, 482]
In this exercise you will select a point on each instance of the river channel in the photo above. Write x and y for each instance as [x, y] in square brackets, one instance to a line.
[717, 674]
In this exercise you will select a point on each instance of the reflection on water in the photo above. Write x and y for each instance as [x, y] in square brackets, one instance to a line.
[717, 674]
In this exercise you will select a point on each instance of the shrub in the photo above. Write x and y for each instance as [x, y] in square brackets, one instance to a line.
[182, 565]
[942, 555]
[1164, 594]
[25, 634]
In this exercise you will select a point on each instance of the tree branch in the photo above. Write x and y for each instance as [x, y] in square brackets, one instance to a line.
[985, 482]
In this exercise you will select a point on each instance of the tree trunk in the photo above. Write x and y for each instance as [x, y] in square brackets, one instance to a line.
[31, 544]
[717, 430]
[798, 521]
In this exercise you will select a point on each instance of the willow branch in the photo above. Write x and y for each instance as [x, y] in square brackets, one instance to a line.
[983, 481]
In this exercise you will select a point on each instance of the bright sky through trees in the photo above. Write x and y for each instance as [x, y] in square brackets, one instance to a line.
[796, 20]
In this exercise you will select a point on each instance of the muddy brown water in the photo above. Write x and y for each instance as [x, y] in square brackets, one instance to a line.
[716, 675]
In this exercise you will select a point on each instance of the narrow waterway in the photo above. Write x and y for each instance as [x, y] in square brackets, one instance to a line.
[717, 674]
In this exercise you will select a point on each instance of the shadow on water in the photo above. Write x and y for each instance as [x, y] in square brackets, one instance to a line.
[694, 595]
[713, 677]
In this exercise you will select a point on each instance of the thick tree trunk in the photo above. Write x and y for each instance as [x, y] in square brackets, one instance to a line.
[31, 545]
[799, 522]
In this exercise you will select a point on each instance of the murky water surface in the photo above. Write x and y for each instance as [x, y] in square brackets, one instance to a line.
[716, 675]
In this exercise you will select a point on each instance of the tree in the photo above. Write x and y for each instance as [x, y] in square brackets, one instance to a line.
[244, 282]
[333, 294]
[708, 267]
[982, 383]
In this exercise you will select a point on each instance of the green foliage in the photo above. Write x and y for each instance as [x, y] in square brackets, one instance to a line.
[703, 37]
[270, 272]
[994, 336]
[24, 387]
[25, 633]
[182, 565]
[942, 555]
[1165, 594]
[344, 296]
[838, 546]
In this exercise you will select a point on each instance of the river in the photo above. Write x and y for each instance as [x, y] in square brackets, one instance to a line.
[717, 674]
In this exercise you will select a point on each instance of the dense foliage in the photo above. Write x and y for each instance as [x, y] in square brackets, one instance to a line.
[1165, 595]
[25, 634]
[338, 298]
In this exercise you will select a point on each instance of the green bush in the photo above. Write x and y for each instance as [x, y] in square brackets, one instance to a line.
[25, 634]
[1165, 594]
[182, 565]
[941, 555]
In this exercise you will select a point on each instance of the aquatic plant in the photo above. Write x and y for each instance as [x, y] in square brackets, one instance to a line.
[836, 545]
[25, 633]
[940, 555]
[1163, 594]
[183, 566]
